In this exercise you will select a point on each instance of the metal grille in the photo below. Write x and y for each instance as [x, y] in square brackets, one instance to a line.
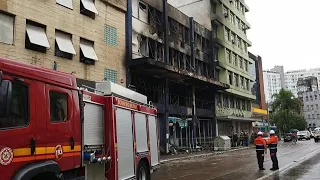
[111, 75]
[110, 35]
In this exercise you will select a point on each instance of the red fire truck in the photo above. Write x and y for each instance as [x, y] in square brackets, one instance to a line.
[51, 129]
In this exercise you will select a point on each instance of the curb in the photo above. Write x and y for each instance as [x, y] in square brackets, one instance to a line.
[201, 155]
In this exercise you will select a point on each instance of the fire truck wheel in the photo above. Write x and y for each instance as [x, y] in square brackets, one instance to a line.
[143, 172]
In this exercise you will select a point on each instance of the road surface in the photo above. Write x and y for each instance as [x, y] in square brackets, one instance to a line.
[242, 165]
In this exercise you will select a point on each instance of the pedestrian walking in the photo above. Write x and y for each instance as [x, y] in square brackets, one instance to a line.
[272, 144]
[261, 146]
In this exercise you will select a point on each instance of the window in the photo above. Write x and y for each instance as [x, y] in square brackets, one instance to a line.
[110, 35]
[249, 106]
[219, 101]
[238, 42]
[318, 115]
[245, 65]
[232, 18]
[238, 103]
[228, 56]
[230, 78]
[232, 38]
[226, 34]
[231, 102]
[242, 82]
[36, 38]
[87, 53]
[247, 82]
[225, 101]
[308, 116]
[241, 8]
[143, 12]
[19, 110]
[58, 106]
[312, 116]
[240, 62]
[63, 45]
[311, 107]
[234, 60]
[317, 106]
[65, 3]
[88, 8]
[237, 22]
[315, 97]
[307, 107]
[6, 28]
[236, 80]
[111, 75]
[243, 103]
[225, 11]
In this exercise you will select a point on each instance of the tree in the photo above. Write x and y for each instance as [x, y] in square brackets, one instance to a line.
[287, 112]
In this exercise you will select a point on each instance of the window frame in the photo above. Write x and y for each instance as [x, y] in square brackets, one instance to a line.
[28, 107]
[69, 102]
[13, 27]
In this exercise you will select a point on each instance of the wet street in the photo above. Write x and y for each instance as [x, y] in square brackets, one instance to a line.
[242, 165]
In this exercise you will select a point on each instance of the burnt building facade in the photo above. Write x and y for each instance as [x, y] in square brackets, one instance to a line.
[171, 60]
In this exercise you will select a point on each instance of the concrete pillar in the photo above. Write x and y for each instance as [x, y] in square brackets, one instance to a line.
[194, 117]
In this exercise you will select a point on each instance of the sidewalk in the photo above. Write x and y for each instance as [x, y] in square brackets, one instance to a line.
[182, 156]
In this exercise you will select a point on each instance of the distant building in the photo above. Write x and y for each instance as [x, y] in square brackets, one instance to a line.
[280, 70]
[272, 84]
[308, 84]
[292, 77]
[311, 111]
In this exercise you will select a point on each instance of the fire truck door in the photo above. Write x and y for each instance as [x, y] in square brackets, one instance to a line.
[60, 119]
[18, 129]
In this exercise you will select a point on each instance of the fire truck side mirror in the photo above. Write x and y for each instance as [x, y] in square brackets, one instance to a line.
[5, 97]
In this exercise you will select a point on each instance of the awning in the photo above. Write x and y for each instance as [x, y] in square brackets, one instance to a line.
[89, 5]
[259, 111]
[88, 50]
[66, 3]
[64, 43]
[37, 35]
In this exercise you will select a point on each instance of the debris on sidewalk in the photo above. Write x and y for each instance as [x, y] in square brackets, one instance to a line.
[186, 155]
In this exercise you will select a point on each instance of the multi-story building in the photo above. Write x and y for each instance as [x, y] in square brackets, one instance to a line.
[259, 106]
[272, 84]
[292, 77]
[83, 37]
[227, 21]
[311, 111]
[173, 63]
[280, 70]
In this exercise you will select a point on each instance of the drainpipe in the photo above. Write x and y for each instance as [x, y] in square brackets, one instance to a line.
[128, 25]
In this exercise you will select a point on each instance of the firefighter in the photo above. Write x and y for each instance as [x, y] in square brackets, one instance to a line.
[272, 144]
[261, 146]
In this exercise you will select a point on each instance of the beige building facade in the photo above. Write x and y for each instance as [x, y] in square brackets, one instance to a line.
[82, 37]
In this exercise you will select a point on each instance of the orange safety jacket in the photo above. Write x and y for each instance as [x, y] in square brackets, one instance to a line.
[273, 142]
[260, 143]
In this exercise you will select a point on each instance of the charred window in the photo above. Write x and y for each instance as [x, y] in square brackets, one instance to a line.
[58, 106]
[19, 110]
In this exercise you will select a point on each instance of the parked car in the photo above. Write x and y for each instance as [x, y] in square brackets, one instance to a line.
[316, 135]
[287, 137]
[303, 135]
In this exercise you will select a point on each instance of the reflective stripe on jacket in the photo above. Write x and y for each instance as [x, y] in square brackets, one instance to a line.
[273, 142]
[260, 143]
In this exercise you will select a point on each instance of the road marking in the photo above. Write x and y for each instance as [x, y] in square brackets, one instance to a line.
[291, 165]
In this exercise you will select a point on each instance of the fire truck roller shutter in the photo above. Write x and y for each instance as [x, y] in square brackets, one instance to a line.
[125, 144]
[141, 132]
[93, 124]
[153, 141]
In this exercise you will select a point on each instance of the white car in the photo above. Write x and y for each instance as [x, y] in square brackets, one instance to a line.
[303, 135]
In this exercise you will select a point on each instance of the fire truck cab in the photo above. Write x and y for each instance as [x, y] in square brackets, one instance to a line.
[51, 129]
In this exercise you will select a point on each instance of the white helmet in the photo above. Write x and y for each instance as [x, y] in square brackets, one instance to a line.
[260, 133]
[272, 132]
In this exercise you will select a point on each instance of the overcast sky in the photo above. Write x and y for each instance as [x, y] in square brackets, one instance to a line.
[285, 32]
